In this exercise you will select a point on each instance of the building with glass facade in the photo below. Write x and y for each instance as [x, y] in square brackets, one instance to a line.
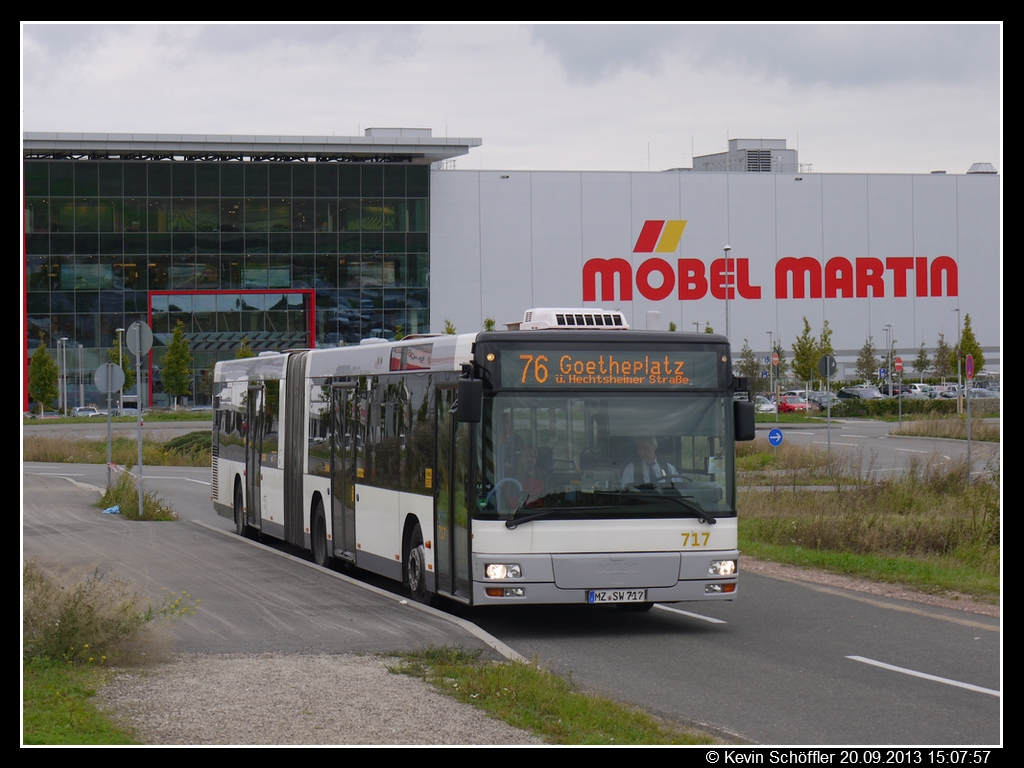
[295, 242]
[287, 242]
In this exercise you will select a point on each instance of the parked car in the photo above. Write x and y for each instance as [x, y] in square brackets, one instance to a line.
[763, 405]
[793, 404]
[860, 392]
[87, 410]
[822, 399]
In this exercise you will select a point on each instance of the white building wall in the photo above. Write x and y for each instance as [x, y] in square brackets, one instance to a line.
[503, 241]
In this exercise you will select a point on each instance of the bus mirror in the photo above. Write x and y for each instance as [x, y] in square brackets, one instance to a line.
[743, 417]
[471, 400]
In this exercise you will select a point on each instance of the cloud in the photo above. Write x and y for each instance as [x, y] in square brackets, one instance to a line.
[832, 55]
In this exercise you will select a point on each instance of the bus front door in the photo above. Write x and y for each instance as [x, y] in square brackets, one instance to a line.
[452, 545]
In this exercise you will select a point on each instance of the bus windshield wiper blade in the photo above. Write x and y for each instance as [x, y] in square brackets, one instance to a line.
[694, 507]
[513, 522]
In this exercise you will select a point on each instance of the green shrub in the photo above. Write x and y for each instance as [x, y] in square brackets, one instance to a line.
[91, 620]
[124, 493]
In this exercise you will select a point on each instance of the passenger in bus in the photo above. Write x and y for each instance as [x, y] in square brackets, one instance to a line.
[531, 476]
[650, 468]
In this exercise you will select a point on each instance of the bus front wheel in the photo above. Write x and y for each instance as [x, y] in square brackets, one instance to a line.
[416, 568]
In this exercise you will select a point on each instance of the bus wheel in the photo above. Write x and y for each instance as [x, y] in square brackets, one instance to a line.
[416, 568]
[318, 534]
[240, 527]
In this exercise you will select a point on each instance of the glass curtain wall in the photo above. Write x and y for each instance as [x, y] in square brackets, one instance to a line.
[101, 235]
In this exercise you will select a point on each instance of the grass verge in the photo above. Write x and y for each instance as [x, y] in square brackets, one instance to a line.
[57, 706]
[148, 416]
[927, 529]
[191, 450]
[533, 699]
[73, 629]
[955, 428]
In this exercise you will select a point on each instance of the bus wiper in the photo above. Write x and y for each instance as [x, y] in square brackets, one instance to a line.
[513, 522]
[695, 507]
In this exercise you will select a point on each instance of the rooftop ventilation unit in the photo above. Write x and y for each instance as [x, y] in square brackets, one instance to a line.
[546, 318]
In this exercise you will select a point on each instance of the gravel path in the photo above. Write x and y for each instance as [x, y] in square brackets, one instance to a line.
[276, 699]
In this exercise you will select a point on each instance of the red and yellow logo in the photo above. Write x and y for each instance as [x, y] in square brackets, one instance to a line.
[659, 236]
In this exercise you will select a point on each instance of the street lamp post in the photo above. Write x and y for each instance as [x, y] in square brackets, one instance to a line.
[889, 331]
[726, 249]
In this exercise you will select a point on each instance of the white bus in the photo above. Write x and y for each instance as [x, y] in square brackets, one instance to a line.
[568, 461]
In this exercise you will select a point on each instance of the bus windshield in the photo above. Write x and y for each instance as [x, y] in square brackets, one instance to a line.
[607, 456]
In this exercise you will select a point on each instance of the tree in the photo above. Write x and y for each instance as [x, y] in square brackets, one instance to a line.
[244, 351]
[671, 327]
[922, 362]
[825, 342]
[805, 355]
[449, 328]
[708, 328]
[177, 367]
[488, 324]
[750, 367]
[808, 350]
[968, 346]
[399, 332]
[941, 365]
[867, 361]
[42, 377]
[120, 357]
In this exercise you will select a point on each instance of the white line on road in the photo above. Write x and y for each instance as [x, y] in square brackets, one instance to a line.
[709, 619]
[172, 477]
[909, 450]
[825, 442]
[925, 675]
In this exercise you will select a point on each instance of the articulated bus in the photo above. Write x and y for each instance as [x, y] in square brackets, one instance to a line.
[566, 460]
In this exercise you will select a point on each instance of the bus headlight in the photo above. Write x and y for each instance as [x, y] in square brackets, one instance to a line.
[722, 568]
[502, 571]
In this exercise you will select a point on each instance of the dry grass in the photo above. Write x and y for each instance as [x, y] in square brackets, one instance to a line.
[956, 428]
[92, 618]
[927, 512]
[62, 449]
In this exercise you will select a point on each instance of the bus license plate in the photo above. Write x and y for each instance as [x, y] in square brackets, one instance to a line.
[617, 596]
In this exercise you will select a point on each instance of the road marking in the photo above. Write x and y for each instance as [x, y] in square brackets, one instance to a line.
[849, 595]
[172, 477]
[825, 442]
[909, 450]
[708, 619]
[925, 675]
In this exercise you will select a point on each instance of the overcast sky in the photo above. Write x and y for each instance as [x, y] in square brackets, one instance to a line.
[851, 98]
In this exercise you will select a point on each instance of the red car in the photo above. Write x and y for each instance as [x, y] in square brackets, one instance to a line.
[791, 403]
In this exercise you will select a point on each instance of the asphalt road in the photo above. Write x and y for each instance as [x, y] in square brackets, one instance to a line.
[787, 663]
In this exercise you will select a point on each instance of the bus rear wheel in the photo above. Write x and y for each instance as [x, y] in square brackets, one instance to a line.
[416, 568]
[240, 527]
[318, 535]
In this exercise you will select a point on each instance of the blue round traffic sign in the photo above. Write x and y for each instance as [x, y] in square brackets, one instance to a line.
[775, 437]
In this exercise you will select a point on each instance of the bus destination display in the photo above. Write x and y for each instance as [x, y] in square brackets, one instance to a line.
[640, 368]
